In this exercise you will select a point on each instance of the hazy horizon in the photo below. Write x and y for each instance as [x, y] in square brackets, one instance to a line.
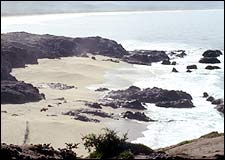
[12, 8]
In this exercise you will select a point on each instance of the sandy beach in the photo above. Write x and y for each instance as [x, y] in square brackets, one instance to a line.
[51, 126]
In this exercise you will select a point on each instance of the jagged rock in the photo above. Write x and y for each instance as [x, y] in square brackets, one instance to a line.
[148, 95]
[133, 104]
[59, 86]
[174, 70]
[95, 113]
[166, 62]
[145, 57]
[102, 89]
[205, 94]
[77, 116]
[177, 53]
[192, 66]
[189, 71]
[210, 98]
[209, 60]
[183, 103]
[17, 92]
[136, 115]
[50, 106]
[212, 67]
[212, 53]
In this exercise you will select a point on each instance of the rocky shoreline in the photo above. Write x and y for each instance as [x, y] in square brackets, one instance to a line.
[21, 48]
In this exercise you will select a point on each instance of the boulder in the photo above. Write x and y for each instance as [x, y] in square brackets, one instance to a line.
[93, 105]
[220, 108]
[174, 70]
[212, 53]
[166, 62]
[210, 98]
[192, 66]
[212, 67]
[137, 116]
[177, 53]
[189, 71]
[17, 92]
[174, 63]
[217, 101]
[133, 104]
[209, 60]
[205, 94]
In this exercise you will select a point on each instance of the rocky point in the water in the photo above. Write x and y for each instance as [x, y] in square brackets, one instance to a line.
[161, 97]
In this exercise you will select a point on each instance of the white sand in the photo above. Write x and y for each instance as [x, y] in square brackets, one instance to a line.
[61, 129]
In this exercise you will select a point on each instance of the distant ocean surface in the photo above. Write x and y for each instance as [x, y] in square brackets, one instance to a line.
[194, 31]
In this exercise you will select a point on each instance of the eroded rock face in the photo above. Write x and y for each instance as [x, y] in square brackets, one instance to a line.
[164, 98]
[145, 57]
[220, 108]
[17, 92]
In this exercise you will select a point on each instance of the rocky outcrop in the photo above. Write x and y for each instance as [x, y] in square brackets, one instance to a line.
[220, 108]
[192, 66]
[212, 67]
[177, 53]
[212, 53]
[136, 115]
[164, 98]
[102, 89]
[209, 60]
[166, 62]
[16, 92]
[145, 57]
[174, 70]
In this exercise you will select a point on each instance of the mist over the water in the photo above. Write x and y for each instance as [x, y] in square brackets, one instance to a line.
[45, 7]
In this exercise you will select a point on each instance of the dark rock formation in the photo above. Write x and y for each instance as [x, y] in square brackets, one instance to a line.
[16, 92]
[133, 104]
[177, 53]
[43, 109]
[205, 94]
[96, 113]
[212, 53]
[192, 66]
[148, 95]
[35, 152]
[210, 98]
[77, 116]
[217, 101]
[145, 57]
[174, 70]
[102, 89]
[93, 105]
[59, 86]
[209, 60]
[212, 67]
[220, 108]
[112, 60]
[174, 63]
[20, 48]
[137, 116]
[189, 71]
[93, 58]
[166, 62]
[183, 103]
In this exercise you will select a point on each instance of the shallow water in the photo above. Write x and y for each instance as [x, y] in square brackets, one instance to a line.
[193, 31]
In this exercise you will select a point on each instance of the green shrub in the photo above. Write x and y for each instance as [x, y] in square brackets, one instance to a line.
[126, 155]
[106, 145]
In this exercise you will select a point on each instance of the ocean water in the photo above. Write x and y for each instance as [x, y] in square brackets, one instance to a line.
[193, 31]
